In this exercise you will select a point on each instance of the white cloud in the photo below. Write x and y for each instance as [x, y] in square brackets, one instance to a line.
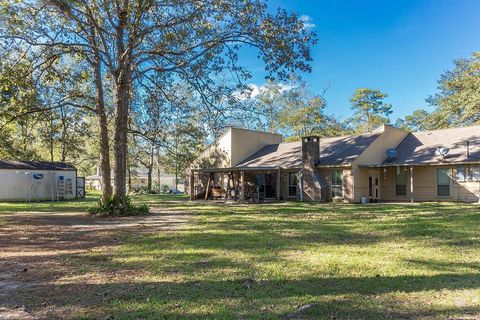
[255, 90]
[307, 22]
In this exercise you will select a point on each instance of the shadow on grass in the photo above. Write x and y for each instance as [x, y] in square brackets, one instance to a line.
[78, 205]
[264, 299]
[208, 268]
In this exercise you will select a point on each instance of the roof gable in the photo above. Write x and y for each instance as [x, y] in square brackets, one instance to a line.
[333, 151]
[420, 147]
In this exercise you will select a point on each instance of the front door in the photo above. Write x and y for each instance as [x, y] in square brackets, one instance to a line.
[374, 185]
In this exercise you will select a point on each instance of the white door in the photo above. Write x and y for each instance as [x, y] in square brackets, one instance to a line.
[374, 185]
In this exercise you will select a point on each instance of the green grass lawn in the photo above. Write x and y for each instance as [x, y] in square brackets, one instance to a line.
[79, 205]
[49, 206]
[265, 261]
[347, 261]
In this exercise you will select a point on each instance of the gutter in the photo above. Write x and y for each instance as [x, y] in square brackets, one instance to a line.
[236, 169]
[343, 165]
[386, 165]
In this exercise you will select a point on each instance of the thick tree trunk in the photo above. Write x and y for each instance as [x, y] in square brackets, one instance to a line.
[150, 168]
[104, 143]
[158, 171]
[159, 182]
[176, 176]
[63, 156]
[149, 179]
[120, 141]
[123, 83]
[51, 137]
[129, 177]
[105, 158]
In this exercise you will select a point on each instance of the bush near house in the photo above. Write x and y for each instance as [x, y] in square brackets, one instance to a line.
[110, 209]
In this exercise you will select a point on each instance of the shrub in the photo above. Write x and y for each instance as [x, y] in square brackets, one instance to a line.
[143, 190]
[110, 209]
[165, 188]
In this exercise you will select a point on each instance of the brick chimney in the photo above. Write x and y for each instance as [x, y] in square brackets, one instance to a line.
[311, 187]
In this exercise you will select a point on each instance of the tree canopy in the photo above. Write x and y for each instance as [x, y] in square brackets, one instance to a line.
[370, 109]
[458, 99]
[129, 43]
[456, 104]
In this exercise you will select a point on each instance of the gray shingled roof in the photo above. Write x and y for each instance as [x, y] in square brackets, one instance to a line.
[284, 155]
[333, 151]
[420, 147]
[35, 165]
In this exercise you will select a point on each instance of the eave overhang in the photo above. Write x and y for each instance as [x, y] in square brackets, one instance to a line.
[340, 165]
[232, 169]
[445, 163]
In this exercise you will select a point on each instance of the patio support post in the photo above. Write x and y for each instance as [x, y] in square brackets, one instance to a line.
[411, 184]
[192, 185]
[242, 186]
[278, 184]
[208, 186]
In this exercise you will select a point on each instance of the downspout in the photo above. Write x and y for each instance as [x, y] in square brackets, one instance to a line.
[411, 184]
[300, 176]
[478, 189]
[353, 183]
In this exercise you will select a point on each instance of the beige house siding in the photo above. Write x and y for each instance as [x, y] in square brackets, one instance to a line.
[244, 143]
[425, 185]
[360, 182]
[388, 184]
[348, 185]
[217, 155]
[374, 155]
[234, 146]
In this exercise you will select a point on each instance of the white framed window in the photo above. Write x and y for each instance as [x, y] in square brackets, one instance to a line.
[461, 174]
[337, 183]
[475, 174]
[401, 182]
[292, 184]
[443, 182]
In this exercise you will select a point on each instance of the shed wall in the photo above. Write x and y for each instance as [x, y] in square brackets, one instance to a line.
[16, 185]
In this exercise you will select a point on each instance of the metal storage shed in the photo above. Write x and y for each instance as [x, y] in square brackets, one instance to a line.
[37, 180]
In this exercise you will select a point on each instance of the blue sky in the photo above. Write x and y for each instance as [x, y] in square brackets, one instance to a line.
[398, 46]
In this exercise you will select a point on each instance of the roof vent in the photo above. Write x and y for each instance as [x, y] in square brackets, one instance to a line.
[391, 154]
[442, 152]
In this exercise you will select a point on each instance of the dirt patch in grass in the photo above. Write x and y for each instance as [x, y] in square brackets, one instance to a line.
[39, 268]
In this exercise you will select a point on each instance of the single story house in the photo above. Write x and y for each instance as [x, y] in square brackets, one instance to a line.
[37, 180]
[388, 164]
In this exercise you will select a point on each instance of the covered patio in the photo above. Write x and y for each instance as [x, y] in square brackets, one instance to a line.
[243, 184]
[420, 182]
[388, 182]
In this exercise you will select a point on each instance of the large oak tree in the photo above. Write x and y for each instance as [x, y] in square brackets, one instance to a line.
[125, 41]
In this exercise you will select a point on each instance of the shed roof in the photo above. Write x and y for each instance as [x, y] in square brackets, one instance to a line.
[36, 165]
[419, 147]
[333, 151]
